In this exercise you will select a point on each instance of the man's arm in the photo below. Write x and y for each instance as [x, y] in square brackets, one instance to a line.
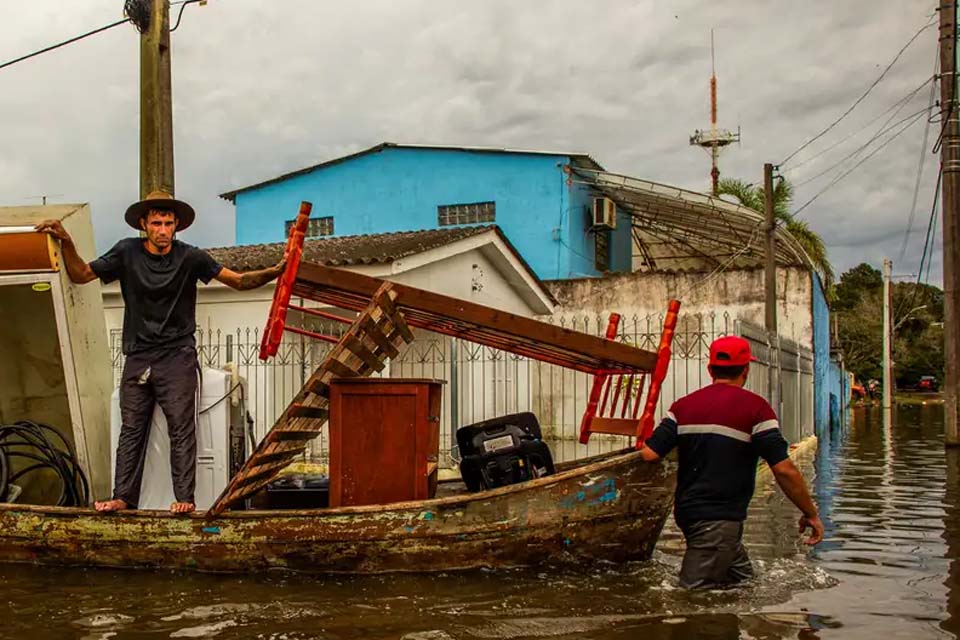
[250, 279]
[663, 440]
[77, 268]
[795, 488]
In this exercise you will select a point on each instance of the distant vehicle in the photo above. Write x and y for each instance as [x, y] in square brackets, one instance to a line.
[928, 383]
[857, 391]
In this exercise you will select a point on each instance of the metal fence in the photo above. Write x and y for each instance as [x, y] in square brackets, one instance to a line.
[482, 382]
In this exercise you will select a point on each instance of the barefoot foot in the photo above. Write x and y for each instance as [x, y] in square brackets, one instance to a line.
[182, 507]
[106, 506]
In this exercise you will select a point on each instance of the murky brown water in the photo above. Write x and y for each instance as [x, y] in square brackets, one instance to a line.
[890, 498]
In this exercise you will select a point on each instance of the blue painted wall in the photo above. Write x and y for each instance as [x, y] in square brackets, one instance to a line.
[821, 357]
[398, 189]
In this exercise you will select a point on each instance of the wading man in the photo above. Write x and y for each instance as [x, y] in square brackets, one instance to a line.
[721, 432]
[158, 277]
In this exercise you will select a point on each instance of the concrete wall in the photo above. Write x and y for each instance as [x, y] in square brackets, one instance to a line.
[738, 294]
[399, 189]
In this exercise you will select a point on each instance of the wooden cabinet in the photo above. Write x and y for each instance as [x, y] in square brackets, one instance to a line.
[384, 440]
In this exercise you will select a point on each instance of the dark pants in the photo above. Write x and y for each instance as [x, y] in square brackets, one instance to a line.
[715, 556]
[168, 378]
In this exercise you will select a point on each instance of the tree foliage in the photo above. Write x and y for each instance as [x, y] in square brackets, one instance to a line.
[752, 196]
[917, 318]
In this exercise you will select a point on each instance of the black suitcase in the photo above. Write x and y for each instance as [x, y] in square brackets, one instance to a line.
[503, 451]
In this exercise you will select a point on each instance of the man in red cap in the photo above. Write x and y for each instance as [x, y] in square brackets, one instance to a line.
[721, 432]
[158, 277]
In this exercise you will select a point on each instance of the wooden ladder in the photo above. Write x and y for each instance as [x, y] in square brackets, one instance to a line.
[376, 335]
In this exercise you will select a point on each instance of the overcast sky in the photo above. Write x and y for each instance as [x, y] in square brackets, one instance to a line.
[264, 87]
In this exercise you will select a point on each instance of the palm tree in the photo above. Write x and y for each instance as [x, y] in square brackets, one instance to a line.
[751, 196]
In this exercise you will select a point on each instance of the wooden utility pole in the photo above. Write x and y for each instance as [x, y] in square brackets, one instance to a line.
[950, 165]
[770, 287]
[156, 103]
[887, 337]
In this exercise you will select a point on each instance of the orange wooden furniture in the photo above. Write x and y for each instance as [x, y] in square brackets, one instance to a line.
[384, 440]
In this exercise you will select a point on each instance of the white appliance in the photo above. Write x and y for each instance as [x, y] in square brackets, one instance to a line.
[218, 394]
[604, 213]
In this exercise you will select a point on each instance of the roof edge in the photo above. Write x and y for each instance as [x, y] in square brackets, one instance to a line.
[585, 159]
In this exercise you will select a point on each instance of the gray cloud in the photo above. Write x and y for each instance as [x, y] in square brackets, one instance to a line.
[261, 88]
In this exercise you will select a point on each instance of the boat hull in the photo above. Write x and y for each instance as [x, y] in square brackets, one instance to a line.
[609, 508]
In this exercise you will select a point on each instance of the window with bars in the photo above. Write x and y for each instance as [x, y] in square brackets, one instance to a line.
[601, 250]
[472, 213]
[316, 227]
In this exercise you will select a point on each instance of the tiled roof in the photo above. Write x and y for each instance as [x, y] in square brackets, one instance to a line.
[345, 251]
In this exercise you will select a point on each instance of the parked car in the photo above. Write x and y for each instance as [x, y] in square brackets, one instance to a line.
[857, 391]
[928, 383]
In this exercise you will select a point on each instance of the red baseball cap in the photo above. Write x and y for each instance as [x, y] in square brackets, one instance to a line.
[730, 351]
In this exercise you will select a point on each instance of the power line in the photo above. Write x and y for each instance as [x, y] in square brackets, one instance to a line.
[862, 97]
[898, 105]
[64, 43]
[923, 160]
[858, 150]
[854, 167]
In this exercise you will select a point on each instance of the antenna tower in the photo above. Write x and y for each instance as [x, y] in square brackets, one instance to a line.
[713, 140]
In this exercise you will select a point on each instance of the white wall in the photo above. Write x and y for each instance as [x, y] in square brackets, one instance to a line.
[740, 294]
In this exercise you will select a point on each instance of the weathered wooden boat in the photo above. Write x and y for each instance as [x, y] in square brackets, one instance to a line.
[609, 507]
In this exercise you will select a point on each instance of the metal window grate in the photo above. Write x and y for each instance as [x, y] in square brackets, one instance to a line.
[601, 250]
[316, 227]
[453, 214]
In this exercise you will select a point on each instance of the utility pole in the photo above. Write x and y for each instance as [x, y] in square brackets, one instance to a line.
[950, 165]
[156, 103]
[770, 287]
[887, 337]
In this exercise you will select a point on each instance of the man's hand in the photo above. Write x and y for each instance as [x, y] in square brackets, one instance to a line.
[813, 524]
[53, 228]
[279, 267]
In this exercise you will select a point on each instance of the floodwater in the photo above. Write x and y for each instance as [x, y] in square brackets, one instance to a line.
[888, 568]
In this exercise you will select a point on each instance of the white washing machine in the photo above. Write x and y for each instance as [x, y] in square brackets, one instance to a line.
[219, 410]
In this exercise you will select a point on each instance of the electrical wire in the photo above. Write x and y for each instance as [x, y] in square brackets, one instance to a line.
[927, 255]
[855, 167]
[64, 43]
[861, 98]
[922, 162]
[861, 148]
[898, 105]
[183, 5]
[46, 450]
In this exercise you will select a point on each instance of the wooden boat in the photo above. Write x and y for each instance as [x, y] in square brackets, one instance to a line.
[610, 507]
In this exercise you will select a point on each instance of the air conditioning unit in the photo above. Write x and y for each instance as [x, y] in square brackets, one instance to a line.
[604, 213]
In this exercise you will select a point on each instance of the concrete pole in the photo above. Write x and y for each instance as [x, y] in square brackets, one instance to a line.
[770, 287]
[156, 104]
[950, 163]
[887, 337]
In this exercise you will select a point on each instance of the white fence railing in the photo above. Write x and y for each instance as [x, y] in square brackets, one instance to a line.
[482, 382]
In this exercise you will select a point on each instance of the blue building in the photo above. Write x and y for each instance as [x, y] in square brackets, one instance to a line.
[562, 227]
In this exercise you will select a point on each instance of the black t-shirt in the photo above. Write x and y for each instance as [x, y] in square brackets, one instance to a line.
[721, 431]
[159, 291]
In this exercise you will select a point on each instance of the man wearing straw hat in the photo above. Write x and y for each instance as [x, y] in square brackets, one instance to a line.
[158, 277]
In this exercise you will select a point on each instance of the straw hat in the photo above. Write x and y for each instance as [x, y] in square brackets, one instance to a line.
[160, 200]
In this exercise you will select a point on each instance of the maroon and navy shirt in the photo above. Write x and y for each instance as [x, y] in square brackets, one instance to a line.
[721, 432]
